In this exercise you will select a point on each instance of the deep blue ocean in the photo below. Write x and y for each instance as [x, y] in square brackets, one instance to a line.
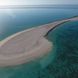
[62, 61]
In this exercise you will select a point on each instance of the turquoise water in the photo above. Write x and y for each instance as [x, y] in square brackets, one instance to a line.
[62, 61]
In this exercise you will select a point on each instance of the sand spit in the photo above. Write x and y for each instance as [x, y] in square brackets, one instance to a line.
[28, 45]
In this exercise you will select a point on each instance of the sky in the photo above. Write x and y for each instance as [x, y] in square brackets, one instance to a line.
[36, 2]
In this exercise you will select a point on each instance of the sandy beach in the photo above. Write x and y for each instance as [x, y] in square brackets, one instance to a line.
[28, 45]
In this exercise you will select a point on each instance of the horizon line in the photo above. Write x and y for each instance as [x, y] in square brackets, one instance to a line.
[39, 6]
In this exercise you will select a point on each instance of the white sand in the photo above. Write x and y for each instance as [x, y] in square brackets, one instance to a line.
[27, 45]
[42, 47]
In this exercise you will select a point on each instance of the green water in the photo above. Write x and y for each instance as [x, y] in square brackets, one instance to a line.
[65, 62]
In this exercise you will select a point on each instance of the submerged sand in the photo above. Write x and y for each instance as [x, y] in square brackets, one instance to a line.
[28, 45]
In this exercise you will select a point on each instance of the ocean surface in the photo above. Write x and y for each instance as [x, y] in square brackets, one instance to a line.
[62, 61]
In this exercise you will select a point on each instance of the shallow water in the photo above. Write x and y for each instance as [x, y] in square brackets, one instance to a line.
[62, 61]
